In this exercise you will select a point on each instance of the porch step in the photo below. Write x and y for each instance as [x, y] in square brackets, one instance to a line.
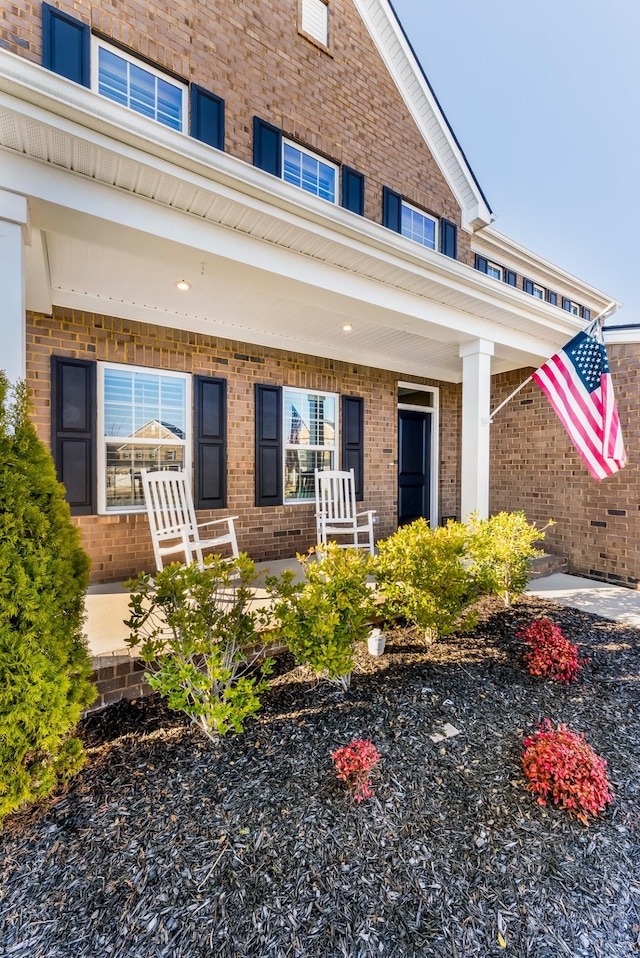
[547, 564]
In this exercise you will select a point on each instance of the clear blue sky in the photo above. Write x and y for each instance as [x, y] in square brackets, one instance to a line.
[543, 98]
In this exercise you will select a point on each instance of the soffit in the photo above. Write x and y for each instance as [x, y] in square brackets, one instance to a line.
[56, 129]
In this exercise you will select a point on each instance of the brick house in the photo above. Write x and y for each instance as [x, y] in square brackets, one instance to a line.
[246, 240]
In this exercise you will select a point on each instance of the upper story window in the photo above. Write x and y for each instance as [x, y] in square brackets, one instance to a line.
[310, 440]
[419, 226]
[308, 171]
[495, 271]
[144, 422]
[538, 291]
[574, 308]
[125, 80]
[314, 20]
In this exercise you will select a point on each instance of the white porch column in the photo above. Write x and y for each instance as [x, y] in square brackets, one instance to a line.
[13, 328]
[476, 395]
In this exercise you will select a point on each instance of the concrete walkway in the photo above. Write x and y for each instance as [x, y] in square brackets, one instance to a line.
[600, 598]
[107, 605]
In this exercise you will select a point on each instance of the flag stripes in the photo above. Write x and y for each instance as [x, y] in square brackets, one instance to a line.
[577, 383]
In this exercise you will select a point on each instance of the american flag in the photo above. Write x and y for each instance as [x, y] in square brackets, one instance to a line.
[577, 383]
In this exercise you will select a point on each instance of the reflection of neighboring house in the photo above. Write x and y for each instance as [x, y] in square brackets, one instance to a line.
[211, 216]
[150, 431]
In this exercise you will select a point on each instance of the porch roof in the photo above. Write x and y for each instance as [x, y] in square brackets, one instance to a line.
[121, 208]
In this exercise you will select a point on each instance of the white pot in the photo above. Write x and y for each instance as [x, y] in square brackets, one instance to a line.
[376, 642]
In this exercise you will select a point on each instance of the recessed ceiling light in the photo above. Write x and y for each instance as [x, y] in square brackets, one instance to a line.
[182, 284]
[347, 328]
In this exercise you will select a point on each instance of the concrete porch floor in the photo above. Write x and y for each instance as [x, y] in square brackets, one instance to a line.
[107, 609]
[107, 605]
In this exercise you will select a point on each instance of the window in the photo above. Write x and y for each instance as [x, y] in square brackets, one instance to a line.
[143, 423]
[538, 292]
[418, 226]
[495, 271]
[314, 20]
[574, 309]
[125, 80]
[309, 172]
[310, 440]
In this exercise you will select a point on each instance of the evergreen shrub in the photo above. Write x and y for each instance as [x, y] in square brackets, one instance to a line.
[322, 618]
[44, 573]
[423, 577]
[198, 631]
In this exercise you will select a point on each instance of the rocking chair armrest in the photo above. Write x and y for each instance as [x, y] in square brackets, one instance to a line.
[369, 512]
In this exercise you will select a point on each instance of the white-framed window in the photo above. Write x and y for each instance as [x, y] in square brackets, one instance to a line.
[314, 20]
[574, 308]
[539, 292]
[144, 422]
[308, 171]
[494, 270]
[419, 226]
[310, 440]
[138, 86]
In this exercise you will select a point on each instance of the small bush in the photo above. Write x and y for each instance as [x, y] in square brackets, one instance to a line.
[322, 618]
[354, 763]
[501, 549]
[422, 576]
[562, 768]
[551, 655]
[197, 631]
[43, 577]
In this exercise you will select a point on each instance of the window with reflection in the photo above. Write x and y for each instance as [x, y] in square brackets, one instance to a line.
[144, 424]
[310, 438]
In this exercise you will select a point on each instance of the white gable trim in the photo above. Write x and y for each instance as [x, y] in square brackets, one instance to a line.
[405, 70]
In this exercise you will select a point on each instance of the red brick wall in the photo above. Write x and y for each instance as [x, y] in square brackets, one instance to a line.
[535, 467]
[342, 103]
[119, 545]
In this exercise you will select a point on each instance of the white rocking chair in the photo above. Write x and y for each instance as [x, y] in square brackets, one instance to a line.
[172, 520]
[336, 512]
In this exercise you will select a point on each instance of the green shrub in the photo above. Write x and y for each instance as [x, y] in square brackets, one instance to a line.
[43, 577]
[322, 618]
[197, 629]
[501, 549]
[422, 575]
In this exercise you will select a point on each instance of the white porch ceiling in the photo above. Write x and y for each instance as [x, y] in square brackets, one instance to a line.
[121, 208]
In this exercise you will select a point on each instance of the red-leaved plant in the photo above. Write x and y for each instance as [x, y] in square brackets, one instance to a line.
[562, 768]
[354, 763]
[551, 654]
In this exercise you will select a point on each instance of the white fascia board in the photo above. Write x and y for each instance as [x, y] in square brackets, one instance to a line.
[404, 309]
[400, 60]
[505, 251]
[621, 336]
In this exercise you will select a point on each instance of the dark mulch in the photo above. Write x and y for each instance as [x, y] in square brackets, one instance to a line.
[166, 845]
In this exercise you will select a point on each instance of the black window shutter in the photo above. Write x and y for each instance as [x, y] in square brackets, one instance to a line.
[510, 277]
[268, 461]
[353, 190]
[391, 209]
[481, 263]
[449, 238]
[586, 313]
[207, 117]
[65, 45]
[73, 431]
[528, 286]
[210, 447]
[353, 439]
[552, 298]
[566, 304]
[267, 146]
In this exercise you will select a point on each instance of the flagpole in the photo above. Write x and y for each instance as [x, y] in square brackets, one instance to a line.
[489, 421]
[508, 399]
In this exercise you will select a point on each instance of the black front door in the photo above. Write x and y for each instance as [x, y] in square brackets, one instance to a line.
[414, 456]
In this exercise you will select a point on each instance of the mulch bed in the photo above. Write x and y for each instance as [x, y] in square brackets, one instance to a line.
[168, 845]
